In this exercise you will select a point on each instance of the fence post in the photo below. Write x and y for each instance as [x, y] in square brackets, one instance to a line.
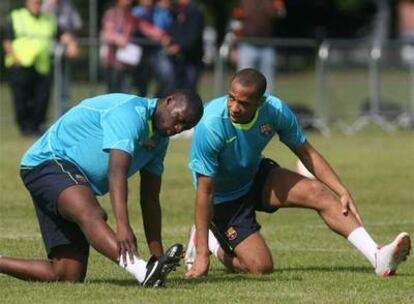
[322, 110]
[58, 79]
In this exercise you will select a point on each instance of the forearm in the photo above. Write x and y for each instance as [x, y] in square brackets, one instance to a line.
[118, 189]
[151, 214]
[151, 211]
[324, 172]
[202, 220]
[118, 186]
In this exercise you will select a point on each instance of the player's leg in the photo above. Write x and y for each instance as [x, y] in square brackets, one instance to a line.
[284, 188]
[236, 229]
[252, 255]
[248, 255]
[79, 205]
[65, 264]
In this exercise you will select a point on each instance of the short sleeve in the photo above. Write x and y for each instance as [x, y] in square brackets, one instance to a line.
[290, 131]
[122, 129]
[156, 165]
[205, 150]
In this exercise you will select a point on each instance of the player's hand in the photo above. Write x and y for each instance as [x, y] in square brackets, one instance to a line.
[200, 267]
[127, 243]
[347, 203]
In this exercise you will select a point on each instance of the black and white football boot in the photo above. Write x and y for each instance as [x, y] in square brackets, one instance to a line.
[158, 269]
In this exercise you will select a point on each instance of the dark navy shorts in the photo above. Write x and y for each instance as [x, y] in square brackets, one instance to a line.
[45, 183]
[234, 221]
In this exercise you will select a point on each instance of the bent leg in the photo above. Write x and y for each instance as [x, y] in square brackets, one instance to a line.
[251, 255]
[284, 188]
[66, 264]
[78, 204]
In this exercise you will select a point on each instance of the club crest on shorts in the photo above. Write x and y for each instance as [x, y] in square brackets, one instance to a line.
[231, 233]
[265, 129]
[150, 144]
[80, 178]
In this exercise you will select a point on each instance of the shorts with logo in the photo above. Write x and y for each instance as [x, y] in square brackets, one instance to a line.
[235, 220]
[45, 183]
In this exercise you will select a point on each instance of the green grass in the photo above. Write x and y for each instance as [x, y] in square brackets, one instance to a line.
[313, 265]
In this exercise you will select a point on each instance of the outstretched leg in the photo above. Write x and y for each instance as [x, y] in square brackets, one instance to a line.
[66, 264]
[284, 188]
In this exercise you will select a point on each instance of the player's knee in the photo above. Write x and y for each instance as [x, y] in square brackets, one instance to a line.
[89, 217]
[260, 266]
[319, 195]
[69, 274]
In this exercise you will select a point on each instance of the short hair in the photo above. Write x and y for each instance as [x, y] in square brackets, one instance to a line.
[191, 100]
[251, 77]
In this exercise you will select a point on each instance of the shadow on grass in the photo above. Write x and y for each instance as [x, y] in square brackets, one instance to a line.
[224, 276]
[219, 276]
[326, 269]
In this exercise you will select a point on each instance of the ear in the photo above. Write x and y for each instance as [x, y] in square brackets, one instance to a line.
[169, 100]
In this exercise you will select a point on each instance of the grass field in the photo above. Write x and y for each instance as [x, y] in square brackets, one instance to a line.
[313, 265]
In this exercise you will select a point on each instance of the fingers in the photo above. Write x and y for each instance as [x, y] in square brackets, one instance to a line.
[345, 205]
[127, 249]
[122, 253]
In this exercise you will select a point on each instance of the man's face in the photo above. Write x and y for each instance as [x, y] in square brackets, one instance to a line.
[34, 6]
[173, 118]
[242, 102]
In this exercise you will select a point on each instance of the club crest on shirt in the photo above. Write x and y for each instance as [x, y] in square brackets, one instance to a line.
[266, 129]
[231, 233]
[150, 144]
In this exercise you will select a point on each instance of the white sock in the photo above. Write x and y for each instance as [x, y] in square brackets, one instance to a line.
[213, 244]
[138, 269]
[364, 243]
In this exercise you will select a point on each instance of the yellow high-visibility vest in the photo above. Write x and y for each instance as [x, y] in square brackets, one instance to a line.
[33, 39]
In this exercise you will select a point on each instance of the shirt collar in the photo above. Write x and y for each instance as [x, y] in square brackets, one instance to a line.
[151, 106]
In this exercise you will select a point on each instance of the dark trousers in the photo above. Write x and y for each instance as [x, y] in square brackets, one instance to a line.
[31, 92]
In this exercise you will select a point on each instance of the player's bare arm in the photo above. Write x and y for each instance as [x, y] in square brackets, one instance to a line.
[318, 165]
[118, 188]
[204, 201]
[151, 210]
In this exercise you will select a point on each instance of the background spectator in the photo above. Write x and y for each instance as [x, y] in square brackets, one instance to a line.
[187, 49]
[28, 40]
[258, 21]
[406, 19]
[117, 27]
[155, 64]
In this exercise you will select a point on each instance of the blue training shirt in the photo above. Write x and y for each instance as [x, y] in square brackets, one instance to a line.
[230, 152]
[86, 134]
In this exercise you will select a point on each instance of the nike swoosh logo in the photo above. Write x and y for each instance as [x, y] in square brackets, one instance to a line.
[231, 139]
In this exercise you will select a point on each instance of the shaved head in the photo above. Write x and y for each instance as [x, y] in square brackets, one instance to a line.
[179, 111]
[190, 100]
[251, 78]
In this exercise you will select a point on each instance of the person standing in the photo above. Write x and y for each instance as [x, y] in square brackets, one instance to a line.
[258, 21]
[187, 47]
[117, 27]
[28, 41]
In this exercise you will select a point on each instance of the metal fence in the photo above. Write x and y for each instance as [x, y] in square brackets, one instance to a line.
[351, 83]
[345, 83]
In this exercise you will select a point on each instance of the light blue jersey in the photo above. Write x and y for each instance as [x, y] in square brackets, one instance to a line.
[86, 134]
[230, 152]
